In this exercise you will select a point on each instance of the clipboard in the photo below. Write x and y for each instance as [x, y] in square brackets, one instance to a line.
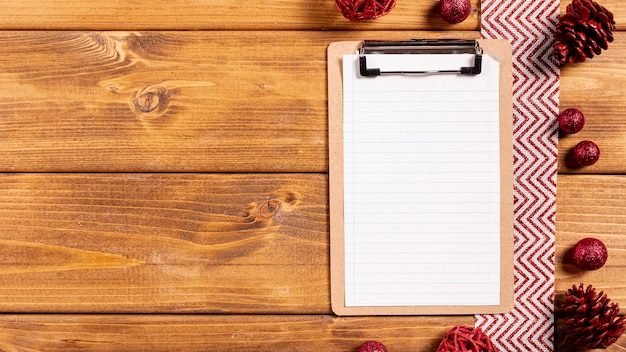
[501, 50]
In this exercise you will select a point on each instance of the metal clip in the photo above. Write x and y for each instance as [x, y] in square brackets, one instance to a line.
[421, 46]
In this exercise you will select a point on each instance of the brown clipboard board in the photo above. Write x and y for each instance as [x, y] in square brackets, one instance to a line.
[502, 50]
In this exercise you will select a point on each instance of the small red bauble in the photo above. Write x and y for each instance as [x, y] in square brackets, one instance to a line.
[361, 10]
[372, 346]
[571, 121]
[589, 254]
[454, 11]
[586, 153]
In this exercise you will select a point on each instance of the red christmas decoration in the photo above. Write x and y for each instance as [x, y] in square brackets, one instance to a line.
[590, 254]
[454, 11]
[586, 153]
[593, 320]
[585, 29]
[361, 10]
[571, 120]
[465, 339]
[372, 346]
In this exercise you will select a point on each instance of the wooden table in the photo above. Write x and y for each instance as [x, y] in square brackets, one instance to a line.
[165, 181]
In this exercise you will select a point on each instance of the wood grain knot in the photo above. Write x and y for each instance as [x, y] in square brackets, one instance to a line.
[147, 102]
[151, 99]
[270, 208]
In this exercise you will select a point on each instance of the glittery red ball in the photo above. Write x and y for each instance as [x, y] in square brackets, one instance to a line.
[361, 10]
[454, 11]
[372, 346]
[586, 153]
[571, 121]
[589, 254]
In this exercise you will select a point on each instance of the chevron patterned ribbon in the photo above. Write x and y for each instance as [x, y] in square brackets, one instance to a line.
[529, 26]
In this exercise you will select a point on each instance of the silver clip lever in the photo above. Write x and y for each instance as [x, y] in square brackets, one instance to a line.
[421, 46]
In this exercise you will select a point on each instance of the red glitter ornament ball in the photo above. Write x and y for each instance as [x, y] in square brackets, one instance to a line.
[589, 254]
[454, 11]
[571, 120]
[372, 346]
[586, 153]
[465, 338]
[361, 10]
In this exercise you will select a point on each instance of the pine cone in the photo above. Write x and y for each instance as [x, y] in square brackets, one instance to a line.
[593, 321]
[585, 29]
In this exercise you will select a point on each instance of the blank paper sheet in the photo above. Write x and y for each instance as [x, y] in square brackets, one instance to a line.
[421, 183]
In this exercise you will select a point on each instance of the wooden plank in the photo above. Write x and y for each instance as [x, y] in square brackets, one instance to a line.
[164, 243]
[231, 15]
[597, 87]
[592, 206]
[218, 14]
[170, 101]
[220, 333]
[219, 243]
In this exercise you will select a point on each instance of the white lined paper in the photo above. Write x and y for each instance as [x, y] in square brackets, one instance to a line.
[421, 183]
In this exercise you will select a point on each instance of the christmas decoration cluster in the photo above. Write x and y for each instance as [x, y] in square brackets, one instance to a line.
[451, 11]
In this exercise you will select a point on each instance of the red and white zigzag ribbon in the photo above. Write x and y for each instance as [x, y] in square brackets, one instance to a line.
[529, 26]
